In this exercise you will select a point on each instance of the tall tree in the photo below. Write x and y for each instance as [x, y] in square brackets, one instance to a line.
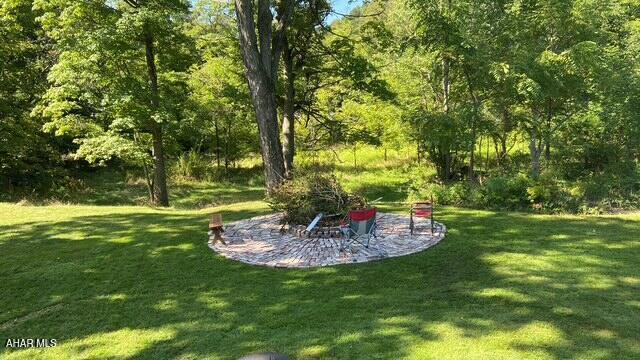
[118, 78]
[441, 29]
[262, 46]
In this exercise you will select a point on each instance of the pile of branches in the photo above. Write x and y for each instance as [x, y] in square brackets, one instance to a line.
[301, 199]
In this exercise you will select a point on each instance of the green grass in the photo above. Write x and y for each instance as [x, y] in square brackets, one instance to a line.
[129, 281]
[371, 174]
[133, 282]
[105, 187]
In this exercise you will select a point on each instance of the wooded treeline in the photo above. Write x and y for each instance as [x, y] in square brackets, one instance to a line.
[547, 91]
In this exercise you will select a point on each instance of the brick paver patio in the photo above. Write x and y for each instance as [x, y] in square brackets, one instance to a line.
[259, 241]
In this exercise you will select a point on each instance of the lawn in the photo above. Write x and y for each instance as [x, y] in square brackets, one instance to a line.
[133, 282]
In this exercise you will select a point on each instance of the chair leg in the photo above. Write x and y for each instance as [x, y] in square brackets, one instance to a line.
[217, 237]
[346, 241]
[411, 224]
[372, 233]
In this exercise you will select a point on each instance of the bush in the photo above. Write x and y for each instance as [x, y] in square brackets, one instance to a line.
[456, 194]
[503, 192]
[594, 193]
[191, 166]
[551, 195]
[304, 197]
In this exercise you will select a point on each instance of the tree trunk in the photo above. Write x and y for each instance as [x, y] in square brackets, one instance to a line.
[217, 135]
[446, 85]
[506, 129]
[265, 107]
[482, 141]
[472, 162]
[547, 137]
[535, 155]
[161, 194]
[447, 166]
[261, 62]
[474, 124]
[503, 149]
[355, 157]
[547, 151]
[486, 167]
[474, 135]
[288, 118]
[226, 148]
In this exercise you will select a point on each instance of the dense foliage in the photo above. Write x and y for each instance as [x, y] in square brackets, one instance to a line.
[514, 104]
[28, 157]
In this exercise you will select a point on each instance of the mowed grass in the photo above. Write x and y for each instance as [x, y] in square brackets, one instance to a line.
[132, 282]
[371, 175]
[105, 187]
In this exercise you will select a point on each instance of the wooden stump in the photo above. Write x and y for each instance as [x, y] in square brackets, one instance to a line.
[215, 225]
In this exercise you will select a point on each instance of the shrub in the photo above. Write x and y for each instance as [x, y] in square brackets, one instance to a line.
[590, 195]
[304, 197]
[553, 195]
[425, 191]
[191, 165]
[457, 194]
[506, 192]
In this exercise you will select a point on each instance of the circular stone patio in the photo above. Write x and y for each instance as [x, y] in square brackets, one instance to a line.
[259, 241]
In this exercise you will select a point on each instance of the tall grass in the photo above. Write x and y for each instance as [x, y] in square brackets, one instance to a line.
[191, 165]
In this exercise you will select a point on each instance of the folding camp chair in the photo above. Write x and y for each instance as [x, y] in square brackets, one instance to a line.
[360, 227]
[423, 210]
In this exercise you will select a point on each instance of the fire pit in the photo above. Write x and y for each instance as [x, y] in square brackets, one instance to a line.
[264, 241]
[326, 232]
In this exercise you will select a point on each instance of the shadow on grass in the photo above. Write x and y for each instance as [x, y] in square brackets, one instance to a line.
[517, 284]
[182, 195]
[111, 187]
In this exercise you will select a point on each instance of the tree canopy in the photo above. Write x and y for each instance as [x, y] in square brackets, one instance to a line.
[546, 90]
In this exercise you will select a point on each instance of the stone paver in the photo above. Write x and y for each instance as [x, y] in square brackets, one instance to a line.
[259, 241]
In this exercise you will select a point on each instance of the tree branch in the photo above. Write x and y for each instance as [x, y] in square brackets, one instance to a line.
[357, 16]
[247, 32]
[283, 13]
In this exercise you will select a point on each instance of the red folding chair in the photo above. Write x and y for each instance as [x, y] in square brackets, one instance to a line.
[424, 210]
[361, 227]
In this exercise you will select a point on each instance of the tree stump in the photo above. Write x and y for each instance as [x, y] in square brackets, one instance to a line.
[215, 227]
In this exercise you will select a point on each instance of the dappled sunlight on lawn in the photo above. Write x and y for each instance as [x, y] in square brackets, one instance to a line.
[124, 343]
[116, 282]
